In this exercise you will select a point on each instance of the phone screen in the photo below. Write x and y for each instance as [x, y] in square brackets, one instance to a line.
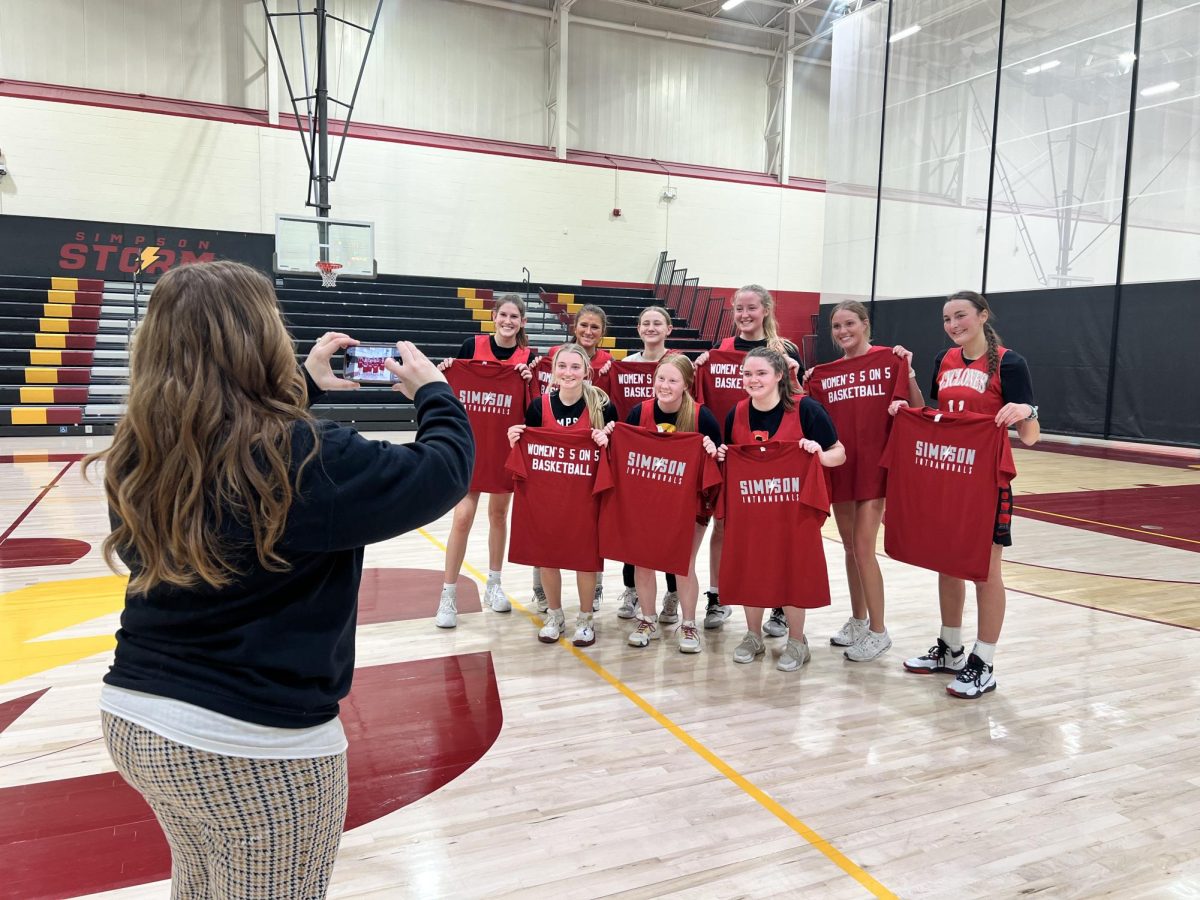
[364, 364]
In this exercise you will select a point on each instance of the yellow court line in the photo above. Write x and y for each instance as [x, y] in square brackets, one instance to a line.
[815, 840]
[1042, 512]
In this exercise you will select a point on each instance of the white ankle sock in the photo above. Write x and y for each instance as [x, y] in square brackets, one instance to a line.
[537, 579]
[985, 651]
[493, 577]
[451, 588]
[859, 622]
[952, 637]
[712, 589]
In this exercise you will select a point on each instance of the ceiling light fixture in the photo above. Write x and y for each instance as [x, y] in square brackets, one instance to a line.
[1052, 64]
[903, 33]
[1155, 89]
[730, 4]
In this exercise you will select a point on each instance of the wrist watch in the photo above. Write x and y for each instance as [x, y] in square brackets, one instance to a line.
[1033, 415]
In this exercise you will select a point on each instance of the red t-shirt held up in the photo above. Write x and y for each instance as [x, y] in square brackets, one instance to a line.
[944, 475]
[719, 382]
[494, 397]
[555, 511]
[628, 384]
[774, 502]
[856, 393]
[651, 485]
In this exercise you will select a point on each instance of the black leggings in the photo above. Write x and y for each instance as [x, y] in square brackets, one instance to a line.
[627, 577]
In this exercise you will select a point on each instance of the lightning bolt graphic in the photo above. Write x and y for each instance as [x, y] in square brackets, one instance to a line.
[149, 255]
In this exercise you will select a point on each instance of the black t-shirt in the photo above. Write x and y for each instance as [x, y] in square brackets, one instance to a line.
[564, 415]
[467, 350]
[1015, 384]
[706, 422]
[744, 346]
[813, 419]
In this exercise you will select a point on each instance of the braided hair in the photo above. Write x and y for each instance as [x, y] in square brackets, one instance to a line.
[993, 339]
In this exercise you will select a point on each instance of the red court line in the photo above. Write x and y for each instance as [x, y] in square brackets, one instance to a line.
[36, 500]
[41, 457]
[1167, 458]
[1104, 609]
[1125, 513]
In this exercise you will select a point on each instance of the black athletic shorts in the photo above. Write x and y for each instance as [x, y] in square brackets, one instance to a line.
[1002, 530]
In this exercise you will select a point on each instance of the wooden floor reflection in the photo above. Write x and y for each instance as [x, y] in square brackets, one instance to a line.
[648, 773]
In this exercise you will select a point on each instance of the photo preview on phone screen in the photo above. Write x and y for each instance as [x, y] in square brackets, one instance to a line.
[364, 364]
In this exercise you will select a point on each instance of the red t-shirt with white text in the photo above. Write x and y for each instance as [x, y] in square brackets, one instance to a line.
[774, 502]
[494, 395]
[719, 381]
[629, 383]
[856, 393]
[555, 511]
[944, 475]
[650, 484]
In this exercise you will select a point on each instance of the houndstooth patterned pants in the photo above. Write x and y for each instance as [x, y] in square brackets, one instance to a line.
[251, 829]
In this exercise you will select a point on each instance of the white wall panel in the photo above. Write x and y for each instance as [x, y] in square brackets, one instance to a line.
[435, 65]
[643, 96]
[810, 120]
[438, 212]
[210, 51]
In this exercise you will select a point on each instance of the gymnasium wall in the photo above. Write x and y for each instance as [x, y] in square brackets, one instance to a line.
[438, 211]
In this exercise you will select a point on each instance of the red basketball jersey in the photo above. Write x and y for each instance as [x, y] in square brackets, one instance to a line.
[856, 393]
[774, 502]
[630, 383]
[555, 510]
[651, 485]
[719, 380]
[494, 396]
[483, 350]
[944, 474]
[963, 388]
[789, 429]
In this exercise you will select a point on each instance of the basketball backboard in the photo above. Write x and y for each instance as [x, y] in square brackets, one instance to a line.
[302, 241]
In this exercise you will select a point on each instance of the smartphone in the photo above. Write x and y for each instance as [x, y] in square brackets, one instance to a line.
[364, 364]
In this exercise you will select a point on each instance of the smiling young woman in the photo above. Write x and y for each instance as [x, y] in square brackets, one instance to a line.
[978, 374]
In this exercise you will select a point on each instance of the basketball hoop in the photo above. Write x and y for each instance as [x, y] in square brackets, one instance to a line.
[328, 272]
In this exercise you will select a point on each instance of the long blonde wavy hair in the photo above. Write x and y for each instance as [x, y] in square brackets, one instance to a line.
[596, 399]
[206, 440]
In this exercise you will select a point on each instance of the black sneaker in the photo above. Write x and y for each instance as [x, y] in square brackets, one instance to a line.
[716, 614]
[975, 680]
[940, 658]
[777, 625]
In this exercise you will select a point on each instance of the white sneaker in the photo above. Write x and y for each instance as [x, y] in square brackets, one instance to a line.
[975, 680]
[670, 610]
[850, 633]
[689, 638]
[777, 625]
[869, 646]
[646, 631]
[494, 596]
[597, 597]
[795, 654]
[554, 627]
[750, 647]
[447, 614]
[540, 601]
[629, 604]
[585, 633]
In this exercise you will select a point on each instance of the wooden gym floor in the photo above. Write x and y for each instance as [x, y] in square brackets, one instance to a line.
[484, 764]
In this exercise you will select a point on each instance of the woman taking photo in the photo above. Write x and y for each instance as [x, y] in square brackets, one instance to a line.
[978, 374]
[508, 346]
[242, 520]
[672, 411]
[859, 486]
[573, 404]
[771, 412]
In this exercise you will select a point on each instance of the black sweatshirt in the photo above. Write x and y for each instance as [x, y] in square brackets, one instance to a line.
[277, 648]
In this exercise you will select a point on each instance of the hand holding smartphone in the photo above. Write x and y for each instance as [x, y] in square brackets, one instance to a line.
[363, 364]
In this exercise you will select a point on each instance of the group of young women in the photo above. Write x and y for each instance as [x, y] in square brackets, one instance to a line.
[775, 407]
